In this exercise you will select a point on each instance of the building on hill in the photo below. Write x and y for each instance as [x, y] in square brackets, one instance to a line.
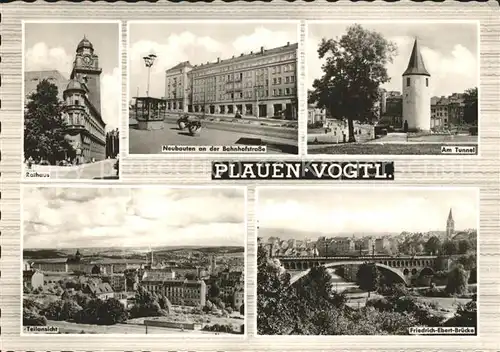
[260, 84]
[179, 292]
[102, 291]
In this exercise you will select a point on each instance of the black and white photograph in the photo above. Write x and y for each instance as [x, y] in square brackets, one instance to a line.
[72, 100]
[367, 261]
[213, 87]
[393, 88]
[129, 260]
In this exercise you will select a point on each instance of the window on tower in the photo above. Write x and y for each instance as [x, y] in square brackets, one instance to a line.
[426, 82]
[407, 81]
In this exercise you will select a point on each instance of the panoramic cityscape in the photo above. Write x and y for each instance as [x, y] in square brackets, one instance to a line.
[72, 95]
[230, 84]
[340, 262]
[416, 88]
[134, 261]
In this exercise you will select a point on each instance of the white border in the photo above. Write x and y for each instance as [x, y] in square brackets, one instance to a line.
[173, 156]
[195, 335]
[51, 180]
[397, 338]
[411, 156]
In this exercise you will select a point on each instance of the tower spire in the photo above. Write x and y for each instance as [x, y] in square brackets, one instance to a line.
[450, 215]
[416, 64]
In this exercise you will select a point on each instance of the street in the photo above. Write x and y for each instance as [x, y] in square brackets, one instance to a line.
[72, 328]
[278, 140]
[103, 169]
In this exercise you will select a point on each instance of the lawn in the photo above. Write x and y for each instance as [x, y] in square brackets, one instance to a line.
[382, 149]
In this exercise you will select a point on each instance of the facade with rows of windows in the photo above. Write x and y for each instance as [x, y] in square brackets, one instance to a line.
[179, 292]
[259, 84]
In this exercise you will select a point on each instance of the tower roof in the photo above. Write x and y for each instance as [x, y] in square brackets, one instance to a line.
[73, 84]
[84, 43]
[450, 215]
[416, 64]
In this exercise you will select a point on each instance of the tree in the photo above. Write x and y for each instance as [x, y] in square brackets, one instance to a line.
[368, 277]
[165, 304]
[433, 245]
[44, 126]
[355, 68]
[214, 291]
[112, 312]
[457, 281]
[450, 247]
[464, 246]
[470, 106]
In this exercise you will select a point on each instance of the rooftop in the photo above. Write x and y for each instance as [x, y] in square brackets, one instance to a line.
[251, 55]
[416, 64]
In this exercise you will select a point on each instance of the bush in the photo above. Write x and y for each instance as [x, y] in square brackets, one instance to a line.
[54, 310]
[31, 318]
[380, 304]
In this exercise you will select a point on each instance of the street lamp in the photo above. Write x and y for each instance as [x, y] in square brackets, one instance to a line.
[149, 61]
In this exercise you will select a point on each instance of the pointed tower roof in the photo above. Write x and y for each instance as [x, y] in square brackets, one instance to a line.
[416, 64]
[450, 215]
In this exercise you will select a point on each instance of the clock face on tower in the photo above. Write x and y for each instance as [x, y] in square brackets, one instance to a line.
[87, 60]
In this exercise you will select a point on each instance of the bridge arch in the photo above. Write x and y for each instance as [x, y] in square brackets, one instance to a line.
[300, 275]
[426, 271]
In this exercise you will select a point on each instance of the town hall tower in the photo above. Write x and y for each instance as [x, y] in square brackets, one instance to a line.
[416, 93]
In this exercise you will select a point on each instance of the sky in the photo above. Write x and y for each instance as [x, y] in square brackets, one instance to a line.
[197, 43]
[132, 217]
[450, 52]
[52, 46]
[357, 210]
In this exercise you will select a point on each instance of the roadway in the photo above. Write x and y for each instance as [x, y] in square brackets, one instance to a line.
[103, 169]
[277, 139]
[72, 328]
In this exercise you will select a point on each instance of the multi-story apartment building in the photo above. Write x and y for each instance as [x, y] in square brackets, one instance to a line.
[446, 111]
[261, 84]
[118, 282]
[179, 292]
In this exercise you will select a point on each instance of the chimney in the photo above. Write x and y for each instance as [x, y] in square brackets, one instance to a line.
[218, 59]
[262, 50]
[251, 52]
[287, 43]
[241, 54]
[233, 56]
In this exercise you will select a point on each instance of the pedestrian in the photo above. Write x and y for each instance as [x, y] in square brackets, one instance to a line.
[30, 162]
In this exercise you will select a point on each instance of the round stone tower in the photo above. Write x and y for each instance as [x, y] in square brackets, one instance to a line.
[416, 93]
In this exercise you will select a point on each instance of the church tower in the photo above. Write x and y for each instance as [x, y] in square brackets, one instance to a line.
[416, 93]
[450, 226]
[87, 71]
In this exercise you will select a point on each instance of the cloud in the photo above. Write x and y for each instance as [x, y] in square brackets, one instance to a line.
[452, 70]
[187, 46]
[324, 212]
[84, 217]
[42, 57]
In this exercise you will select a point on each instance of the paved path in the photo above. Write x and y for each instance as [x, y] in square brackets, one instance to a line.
[212, 133]
[103, 169]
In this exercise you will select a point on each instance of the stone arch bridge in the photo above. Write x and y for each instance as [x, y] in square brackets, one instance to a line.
[405, 267]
